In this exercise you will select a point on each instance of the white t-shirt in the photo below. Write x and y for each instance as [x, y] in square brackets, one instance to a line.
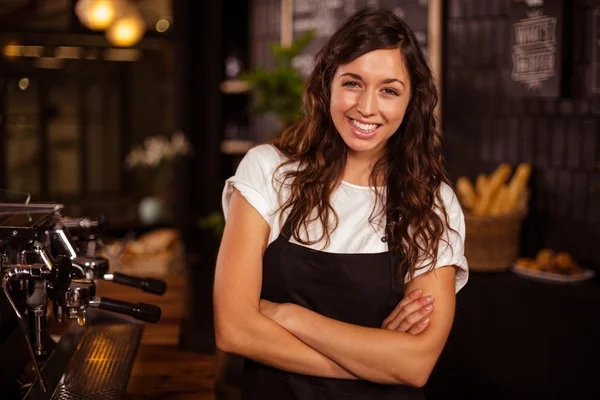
[353, 205]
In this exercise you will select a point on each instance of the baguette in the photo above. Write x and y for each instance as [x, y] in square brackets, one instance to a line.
[495, 182]
[497, 204]
[466, 192]
[480, 184]
[517, 187]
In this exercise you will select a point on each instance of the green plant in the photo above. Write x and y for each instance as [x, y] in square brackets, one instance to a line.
[279, 91]
[215, 222]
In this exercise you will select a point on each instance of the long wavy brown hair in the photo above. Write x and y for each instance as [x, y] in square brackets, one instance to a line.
[412, 166]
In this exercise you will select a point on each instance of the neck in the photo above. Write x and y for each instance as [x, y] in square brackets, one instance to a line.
[358, 169]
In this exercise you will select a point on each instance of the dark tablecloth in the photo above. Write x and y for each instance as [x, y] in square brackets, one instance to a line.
[515, 338]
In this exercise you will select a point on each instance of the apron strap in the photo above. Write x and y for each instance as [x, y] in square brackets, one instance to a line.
[397, 284]
[286, 229]
[395, 258]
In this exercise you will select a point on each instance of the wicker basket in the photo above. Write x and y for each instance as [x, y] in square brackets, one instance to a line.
[492, 242]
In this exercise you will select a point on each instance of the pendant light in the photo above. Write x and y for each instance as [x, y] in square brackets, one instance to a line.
[98, 15]
[127, 29]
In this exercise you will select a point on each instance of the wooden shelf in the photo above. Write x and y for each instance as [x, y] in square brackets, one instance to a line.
[234, 86]
[236, 147]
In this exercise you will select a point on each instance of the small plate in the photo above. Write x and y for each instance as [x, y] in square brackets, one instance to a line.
[544, 276]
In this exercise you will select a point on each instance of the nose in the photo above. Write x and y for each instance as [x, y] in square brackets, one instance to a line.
[367, 103]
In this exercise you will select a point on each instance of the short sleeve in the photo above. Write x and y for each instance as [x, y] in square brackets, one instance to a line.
[451, 247]
[254, 180]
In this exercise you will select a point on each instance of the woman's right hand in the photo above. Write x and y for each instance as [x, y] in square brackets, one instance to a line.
[411, 314]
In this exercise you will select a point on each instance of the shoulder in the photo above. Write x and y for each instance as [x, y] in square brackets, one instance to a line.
[258, 166]
[260, 163]
[254, 180]
[265, 153]
[450, 249]
[449, 199]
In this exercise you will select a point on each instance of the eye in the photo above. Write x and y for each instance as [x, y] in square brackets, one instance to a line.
[391, 92]
[351, 84]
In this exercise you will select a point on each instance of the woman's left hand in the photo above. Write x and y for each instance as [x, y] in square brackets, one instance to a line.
[411, 315]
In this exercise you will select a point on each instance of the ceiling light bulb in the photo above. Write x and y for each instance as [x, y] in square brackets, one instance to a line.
[127, 30]
[97, 15]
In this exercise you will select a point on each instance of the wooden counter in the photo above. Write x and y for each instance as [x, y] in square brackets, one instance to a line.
[161, 370]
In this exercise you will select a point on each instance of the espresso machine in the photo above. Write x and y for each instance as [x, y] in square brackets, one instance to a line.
[47, 279]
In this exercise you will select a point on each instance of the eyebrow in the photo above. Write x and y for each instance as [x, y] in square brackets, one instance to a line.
[385, 81]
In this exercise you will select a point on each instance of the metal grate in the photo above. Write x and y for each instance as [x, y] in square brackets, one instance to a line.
[100, 366]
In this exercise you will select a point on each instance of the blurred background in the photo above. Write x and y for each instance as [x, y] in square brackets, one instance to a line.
[140, 109]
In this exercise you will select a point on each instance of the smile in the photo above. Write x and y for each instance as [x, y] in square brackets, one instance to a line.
[361, 130]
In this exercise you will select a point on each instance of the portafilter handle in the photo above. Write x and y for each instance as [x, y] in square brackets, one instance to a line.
[141, 311]
[81, 295]
[150, 285]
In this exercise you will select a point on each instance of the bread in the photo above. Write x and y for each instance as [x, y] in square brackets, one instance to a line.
[517, 187]
[153, 242]
[466, 192]
[494, 184]
[492, 195]
[564, 261]
[545, 258]
[497, 206]
[481, 184]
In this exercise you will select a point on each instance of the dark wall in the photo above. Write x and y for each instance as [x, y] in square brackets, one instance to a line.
[484, 126]
[197, 64]
[3, 83]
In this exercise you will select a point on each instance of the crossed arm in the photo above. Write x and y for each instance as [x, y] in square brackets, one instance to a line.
[295, 339]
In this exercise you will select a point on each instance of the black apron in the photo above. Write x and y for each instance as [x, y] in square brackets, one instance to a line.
[360, 289]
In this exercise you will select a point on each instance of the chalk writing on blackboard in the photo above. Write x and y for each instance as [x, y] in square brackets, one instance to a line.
[323, 16]
[326, 16]
[534, 50]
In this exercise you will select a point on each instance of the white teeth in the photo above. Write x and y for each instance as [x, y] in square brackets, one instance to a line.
[364, 127]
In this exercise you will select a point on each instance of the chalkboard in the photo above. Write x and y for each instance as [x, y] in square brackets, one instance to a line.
[535, 49]
[326, 16]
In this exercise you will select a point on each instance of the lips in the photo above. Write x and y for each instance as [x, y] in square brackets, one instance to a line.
[359, 133]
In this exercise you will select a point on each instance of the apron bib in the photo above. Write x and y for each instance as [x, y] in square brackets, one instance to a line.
[360, 289]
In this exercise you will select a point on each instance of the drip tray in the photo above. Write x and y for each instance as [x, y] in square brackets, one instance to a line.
[95, 360]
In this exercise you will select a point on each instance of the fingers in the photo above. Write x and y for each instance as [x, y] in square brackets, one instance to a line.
[411, 313]
[412, 319]
[419, 326]
[412, 296]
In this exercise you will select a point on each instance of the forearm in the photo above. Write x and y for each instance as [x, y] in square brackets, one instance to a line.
[377, 355]
[261, 339]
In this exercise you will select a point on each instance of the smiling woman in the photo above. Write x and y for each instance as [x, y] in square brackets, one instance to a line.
[368, 102]
[343, 247]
